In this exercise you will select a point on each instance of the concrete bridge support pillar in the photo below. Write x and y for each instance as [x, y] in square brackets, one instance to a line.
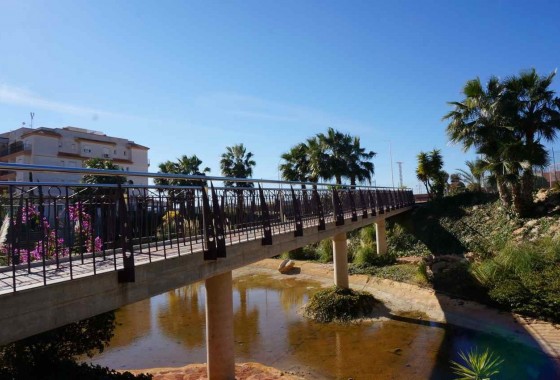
[219, 327]
[381, 237]
[340, 259]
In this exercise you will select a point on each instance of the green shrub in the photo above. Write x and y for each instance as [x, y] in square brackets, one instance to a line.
[525, 278]
[339, 305]
[354, 243]
[365, 255]
[478, 365]
[308, 252]
[325, 251]
[367, 235]
[422, 275]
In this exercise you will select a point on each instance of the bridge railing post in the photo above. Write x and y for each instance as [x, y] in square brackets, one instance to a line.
[210, 250]
[298, 223]
[350, 193]
[126, 274]
[217, 216]
[266, 228]
[380, 201]
[338, 209]
[363, 204]
[372, 202]
[319, 209]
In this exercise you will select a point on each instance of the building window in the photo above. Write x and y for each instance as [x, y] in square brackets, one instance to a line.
[61, 162]
[87, 149]
[124, 152]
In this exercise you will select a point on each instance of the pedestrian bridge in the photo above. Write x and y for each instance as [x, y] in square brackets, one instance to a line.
[69, 251]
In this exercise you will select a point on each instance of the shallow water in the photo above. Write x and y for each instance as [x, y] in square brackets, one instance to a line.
[169, 331]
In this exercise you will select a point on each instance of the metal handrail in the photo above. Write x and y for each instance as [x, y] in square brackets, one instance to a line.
[120, 173]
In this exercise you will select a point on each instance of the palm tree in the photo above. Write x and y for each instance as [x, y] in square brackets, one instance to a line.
[506, 121]
[184, 165]
[98, 163]
[479, 121]
[422, 171]
[236, 162]
[358, 163]
[317, 159]
[336, 148]
[296, 166]
[429, 171]
[536, 117]
[474, 176]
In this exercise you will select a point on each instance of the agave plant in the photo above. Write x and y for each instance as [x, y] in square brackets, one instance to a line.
[478, 365]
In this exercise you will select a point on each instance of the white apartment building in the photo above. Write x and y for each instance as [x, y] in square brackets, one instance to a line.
[68, 147]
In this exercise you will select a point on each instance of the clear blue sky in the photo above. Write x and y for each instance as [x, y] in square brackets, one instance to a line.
[192, 77]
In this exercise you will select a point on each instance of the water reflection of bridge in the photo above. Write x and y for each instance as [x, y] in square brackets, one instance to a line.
[71, 251]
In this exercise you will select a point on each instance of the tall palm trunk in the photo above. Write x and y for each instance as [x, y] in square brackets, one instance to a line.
[517, 199]
[505, 196]
[338, 178]
[527, 184]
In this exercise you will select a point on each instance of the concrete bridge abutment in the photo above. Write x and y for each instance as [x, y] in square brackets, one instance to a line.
[219, 327]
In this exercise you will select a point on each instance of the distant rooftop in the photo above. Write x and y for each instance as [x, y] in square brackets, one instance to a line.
[83, 130]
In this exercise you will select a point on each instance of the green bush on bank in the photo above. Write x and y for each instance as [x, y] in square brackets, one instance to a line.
[308, 252]
[525, 278]
[325, 251]
[321, 251]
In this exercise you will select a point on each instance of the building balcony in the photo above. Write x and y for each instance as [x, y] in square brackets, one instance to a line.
[15, 147]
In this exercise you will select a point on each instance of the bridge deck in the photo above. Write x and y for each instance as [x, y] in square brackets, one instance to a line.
[69, 268]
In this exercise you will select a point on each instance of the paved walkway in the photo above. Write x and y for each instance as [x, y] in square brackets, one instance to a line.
[401, 298]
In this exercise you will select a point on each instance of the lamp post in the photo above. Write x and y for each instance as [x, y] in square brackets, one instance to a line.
[391, 159]
[280, 193]
[391, 156]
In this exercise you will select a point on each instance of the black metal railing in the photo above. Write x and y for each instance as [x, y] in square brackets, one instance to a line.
[54, 232]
